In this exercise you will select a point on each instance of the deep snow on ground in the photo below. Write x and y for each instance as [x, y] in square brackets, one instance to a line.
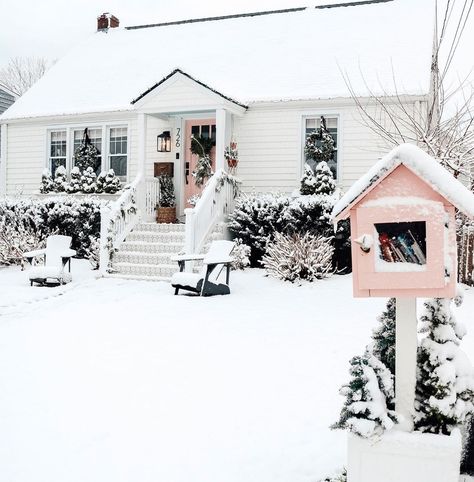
[115, 380]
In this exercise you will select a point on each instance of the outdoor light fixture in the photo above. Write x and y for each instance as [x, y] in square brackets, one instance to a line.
[163, 142]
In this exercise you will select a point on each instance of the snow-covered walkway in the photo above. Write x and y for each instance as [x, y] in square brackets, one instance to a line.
[118, 381]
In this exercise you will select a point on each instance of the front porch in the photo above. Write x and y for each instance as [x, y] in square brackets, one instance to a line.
[178, 105]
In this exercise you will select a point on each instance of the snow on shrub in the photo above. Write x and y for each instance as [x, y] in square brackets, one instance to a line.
[445, 376]
[39, 218]
[17, 239]
[258, 217]
[299, 257]
[368, 394]
[240, 255]
[383, 336]
[342, 477]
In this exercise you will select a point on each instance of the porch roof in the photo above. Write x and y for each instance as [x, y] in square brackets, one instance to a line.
[296, 54]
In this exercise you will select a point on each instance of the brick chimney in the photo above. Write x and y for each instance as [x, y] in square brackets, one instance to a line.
[106, 21]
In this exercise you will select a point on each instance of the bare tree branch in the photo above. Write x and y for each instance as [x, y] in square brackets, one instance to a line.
[21, 73]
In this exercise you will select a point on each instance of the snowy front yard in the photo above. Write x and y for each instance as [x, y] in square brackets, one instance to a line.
[113, 380]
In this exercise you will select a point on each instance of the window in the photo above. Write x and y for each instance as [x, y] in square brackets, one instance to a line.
[310, 125]
[95, 135]
[118, 151]
[57, 150]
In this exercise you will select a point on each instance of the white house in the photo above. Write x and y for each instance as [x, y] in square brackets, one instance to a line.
[261, 79]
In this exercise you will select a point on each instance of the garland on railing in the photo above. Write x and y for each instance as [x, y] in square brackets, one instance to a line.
[224, 178]
[126, 207]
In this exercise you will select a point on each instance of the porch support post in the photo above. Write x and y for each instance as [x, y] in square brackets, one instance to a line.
[141, 143]
[3, 159]
[223, 135]
[141, 191]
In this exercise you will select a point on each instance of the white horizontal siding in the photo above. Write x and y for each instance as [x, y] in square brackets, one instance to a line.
[181, 95]
[270, 142]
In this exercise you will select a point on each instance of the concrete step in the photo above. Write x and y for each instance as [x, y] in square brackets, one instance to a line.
[156, 237]
[150, 247]
[138, 278]
[137, 257]
[164, 271]
[160, 227]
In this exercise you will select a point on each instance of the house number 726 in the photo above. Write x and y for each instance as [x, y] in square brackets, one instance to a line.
[178, 136]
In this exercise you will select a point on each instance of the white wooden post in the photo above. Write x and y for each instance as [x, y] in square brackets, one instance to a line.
[3, 159]
[223, 134]
[405, 360]
[141, 190]
[104, 256]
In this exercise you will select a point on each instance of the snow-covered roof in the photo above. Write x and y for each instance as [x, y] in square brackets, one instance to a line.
[290, 55]
[419, 162]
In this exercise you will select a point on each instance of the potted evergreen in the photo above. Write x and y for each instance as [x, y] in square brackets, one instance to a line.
[166, 207]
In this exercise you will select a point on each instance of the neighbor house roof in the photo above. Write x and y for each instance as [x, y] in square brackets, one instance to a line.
[301, 53]
[420, 163]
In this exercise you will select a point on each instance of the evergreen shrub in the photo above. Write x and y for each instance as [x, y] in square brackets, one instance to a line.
[258, 217]
[78, 218]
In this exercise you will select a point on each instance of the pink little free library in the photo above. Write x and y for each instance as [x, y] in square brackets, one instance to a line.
[403, 228]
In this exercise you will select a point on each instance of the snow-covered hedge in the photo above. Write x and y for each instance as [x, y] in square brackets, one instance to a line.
[258, 217]
[299, 257]
[36, 219]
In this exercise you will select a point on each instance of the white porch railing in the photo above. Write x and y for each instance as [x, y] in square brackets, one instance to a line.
[137, 202]
[152, 196]
[216, 202]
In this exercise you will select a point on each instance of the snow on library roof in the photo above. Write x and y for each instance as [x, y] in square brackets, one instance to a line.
[422, 164]
[300, 53]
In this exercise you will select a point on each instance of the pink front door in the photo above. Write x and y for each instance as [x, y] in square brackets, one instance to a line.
[205, 128]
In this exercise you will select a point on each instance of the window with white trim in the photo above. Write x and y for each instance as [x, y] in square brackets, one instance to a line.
[310, 125]
[57, 150]
[95, 136]
[118, 141]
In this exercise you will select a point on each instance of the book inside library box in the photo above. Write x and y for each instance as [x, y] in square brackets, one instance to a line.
[402, 242]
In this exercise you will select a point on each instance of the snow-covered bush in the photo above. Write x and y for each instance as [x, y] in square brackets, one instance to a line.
[383, 336]
[75, 185]
[88, 181]
[369, 393]
[299, 257]
[255, 220]
[319, 181]
[79, 219]
[16, 239]
[107, 182]
[167, 196]
[445, 376]
[258, 217]
[325, 183]
[241, 255]
[47, 183]
[93, 252]
[60, 180]
[203, 170]
[308, 181]
[342, 477]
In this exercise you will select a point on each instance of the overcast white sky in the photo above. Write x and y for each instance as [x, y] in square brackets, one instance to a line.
[49, 28]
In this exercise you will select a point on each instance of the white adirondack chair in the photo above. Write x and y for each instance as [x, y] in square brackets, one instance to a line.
[206, 282]
[57, 255]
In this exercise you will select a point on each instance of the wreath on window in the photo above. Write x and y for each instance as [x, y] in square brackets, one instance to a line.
[86, 155]
[319, 145]
[201, 146]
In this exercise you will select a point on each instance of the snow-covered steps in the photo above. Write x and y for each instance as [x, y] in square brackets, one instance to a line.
[145, 270]
[146, 252]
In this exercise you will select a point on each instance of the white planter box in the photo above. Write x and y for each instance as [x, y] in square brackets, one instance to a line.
[405, 457]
